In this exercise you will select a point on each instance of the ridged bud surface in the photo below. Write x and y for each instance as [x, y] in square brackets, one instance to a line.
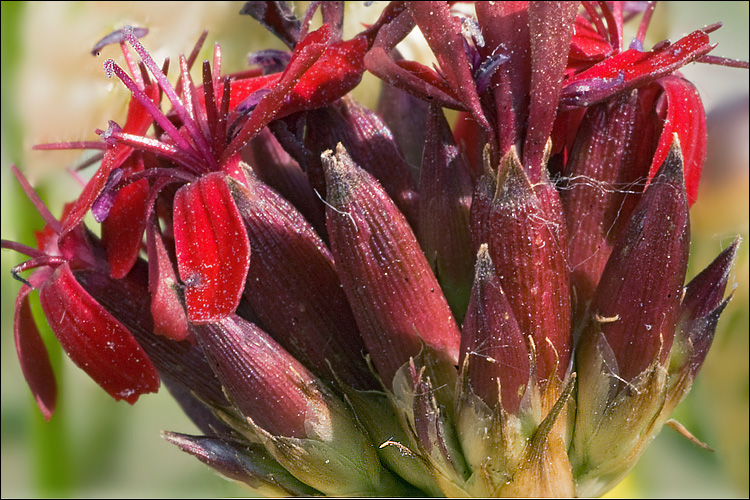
[395, 297]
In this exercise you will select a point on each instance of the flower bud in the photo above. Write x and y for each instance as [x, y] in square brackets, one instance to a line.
[275, 167]
[247, 463]
[395, 297]
[95, 340]
[264, 381]
[600, 174]
[293, 288]
[304, 426]
[444, 203]
[371, 146]
[636, 313]
[405, 116]
[623, 352]
[493, 350]
[531, 265]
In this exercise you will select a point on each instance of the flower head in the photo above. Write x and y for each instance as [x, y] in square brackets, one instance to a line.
[506, 317]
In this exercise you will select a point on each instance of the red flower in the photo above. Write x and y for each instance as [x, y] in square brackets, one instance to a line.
[94, 339]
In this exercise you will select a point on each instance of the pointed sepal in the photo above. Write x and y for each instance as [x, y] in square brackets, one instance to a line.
[245, 463]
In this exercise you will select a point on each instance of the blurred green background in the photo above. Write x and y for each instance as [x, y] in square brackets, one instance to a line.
[53, 89]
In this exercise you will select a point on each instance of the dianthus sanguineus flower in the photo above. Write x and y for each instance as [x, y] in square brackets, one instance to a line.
[346, 303]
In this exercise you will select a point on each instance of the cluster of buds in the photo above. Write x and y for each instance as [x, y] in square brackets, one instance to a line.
[348, 302]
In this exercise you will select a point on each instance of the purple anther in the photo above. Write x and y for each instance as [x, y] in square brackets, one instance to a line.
[118, 36]
[103, 203]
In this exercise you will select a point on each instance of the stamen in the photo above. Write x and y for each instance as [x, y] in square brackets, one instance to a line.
[595, 19]
[106, 135]
[196, 49]
[178, 106]
[270, 60]
[141, 143]
[118, 36]
[35, 200]
[187, 87]
[51, 146]
[160, 184]
[217, 64]
[210, 103]
[19, 278]
[103, 203]
[645, 21]
[712, 27]
[614, 23]
[221, 124]
[309, 13]
[247, 73]
[21, 248]
[470, 29]
[174, 174]
[87, 162]
[483, 75]
[111, 67]
[144, 76]
[723, 61]
[40, 261]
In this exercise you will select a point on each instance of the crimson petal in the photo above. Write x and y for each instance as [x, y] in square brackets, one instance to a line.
[443, 34]
[213, 252]
[550, 31]
[338, 71]
[122, 230]
[631, 69]
[505, 26]
[444, 204]
[686, 118]
[587, 44]
[137, 122]
[97, 342]
[412, 77]
[33, 356]
[166, 301]
[307, 52]
[181, 365]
